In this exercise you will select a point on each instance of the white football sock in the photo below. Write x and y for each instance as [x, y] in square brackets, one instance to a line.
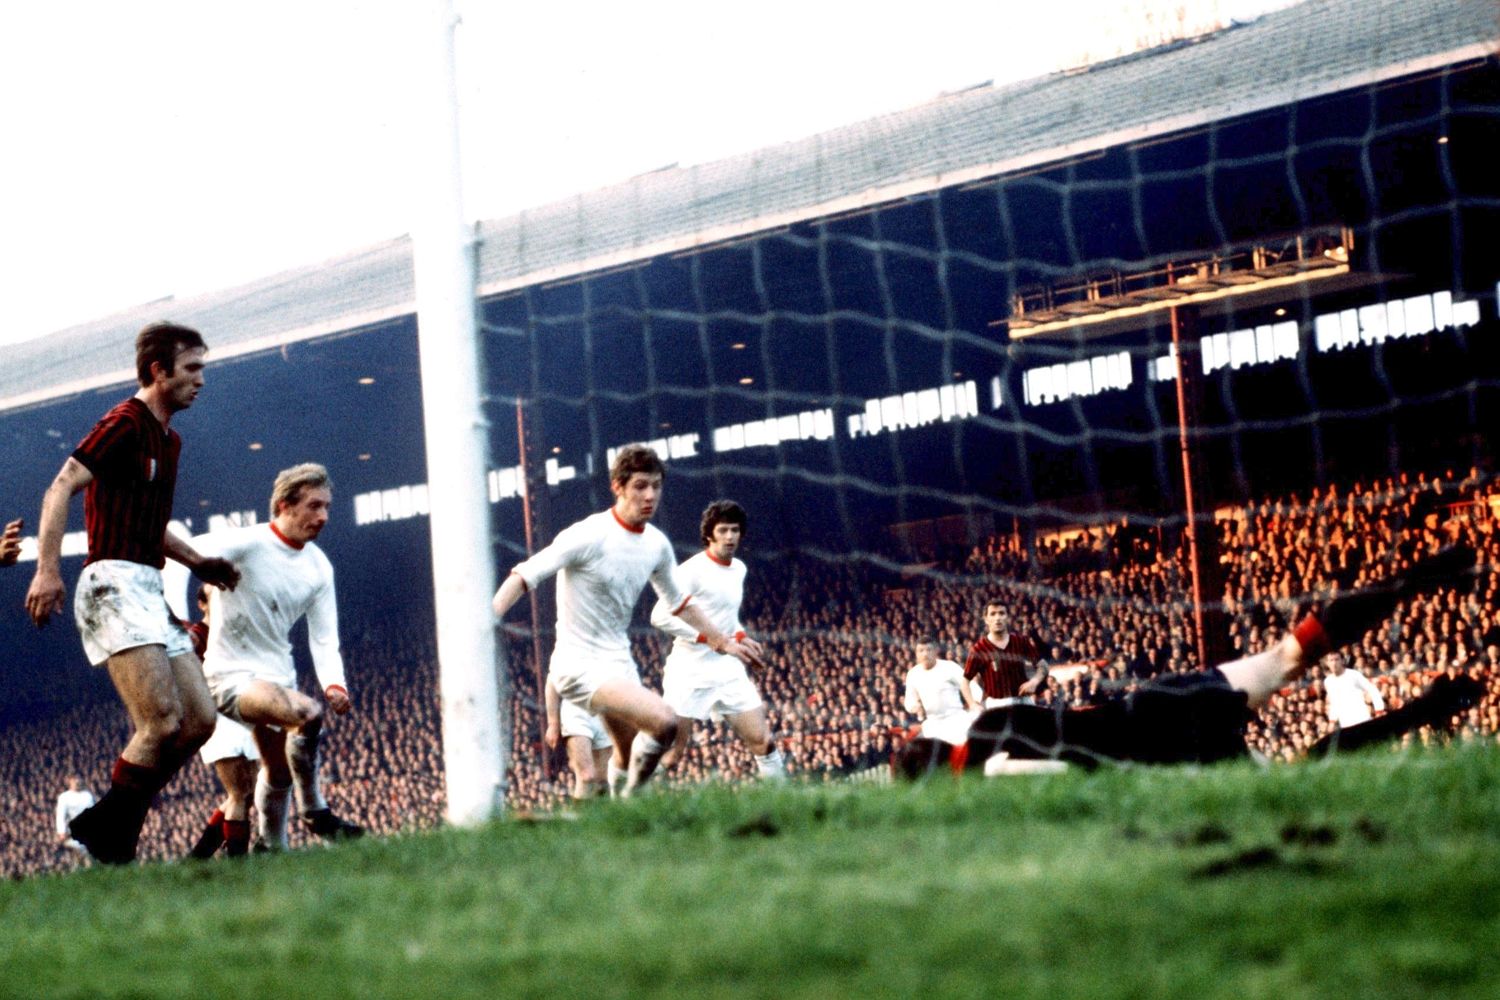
[270, 811]
[772, 766]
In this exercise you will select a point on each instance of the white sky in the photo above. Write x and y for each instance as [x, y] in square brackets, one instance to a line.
[172, 147]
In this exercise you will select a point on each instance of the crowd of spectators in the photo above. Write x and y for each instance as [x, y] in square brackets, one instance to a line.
[1108, 606]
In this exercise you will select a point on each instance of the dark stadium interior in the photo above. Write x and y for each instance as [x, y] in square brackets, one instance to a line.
[833, 313]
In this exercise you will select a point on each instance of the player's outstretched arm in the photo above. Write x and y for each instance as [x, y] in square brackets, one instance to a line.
[45, 596]
[509, 593]
[212, 570]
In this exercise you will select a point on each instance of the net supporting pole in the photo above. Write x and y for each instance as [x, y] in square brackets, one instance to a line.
[471, 668]
[1209, 621]
[533, 509]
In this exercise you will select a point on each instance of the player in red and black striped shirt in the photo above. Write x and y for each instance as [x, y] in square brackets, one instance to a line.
[128, 466]
[1008, 666]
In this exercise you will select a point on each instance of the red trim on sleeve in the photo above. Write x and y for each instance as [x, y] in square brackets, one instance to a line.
[701, 638]
[336, 687]
[685, 602]
[518, 576]
[739, 636]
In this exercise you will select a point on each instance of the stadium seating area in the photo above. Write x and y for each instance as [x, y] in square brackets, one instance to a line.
[839, 641]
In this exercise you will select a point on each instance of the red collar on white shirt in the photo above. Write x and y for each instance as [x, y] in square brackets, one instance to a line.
[634, 529]
[285, 540]
[716, 559]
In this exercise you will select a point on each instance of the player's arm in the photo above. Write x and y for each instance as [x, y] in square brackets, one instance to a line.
[10, 542]
[570, 546]
[511, 589]
[45, 596]
[1377, 701]
[212, 570]
[963, 688]
[554, 715]
[913, 701]
[1037, 680]
[663, 618]
[323, 643]
[973, 664]
[746, 650]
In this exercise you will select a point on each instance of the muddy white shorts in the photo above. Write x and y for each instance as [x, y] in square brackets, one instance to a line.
[119, 605]
[230, 739]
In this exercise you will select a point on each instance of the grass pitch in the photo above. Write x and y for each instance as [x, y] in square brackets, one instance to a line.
[1372, 876]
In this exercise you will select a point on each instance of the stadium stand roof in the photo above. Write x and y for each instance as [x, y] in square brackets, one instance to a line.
[1312, 49]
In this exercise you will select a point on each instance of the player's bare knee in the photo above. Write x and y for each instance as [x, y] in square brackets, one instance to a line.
[664, 729]
[161, 725]
[195, 729]
[310, 718]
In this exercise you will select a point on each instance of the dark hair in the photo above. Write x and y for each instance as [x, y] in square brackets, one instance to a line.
[926, 639]
[635, 458]
[995, 602]
[160, 344]
[721, 512]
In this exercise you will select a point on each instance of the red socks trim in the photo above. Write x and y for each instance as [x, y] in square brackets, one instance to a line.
[137, 778]
[236, 837]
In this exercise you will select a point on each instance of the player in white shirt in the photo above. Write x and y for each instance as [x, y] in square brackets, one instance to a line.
[1347, 691]
[74, 800]
[937, 694]
[601, 564]
[249, 664]
[230, 751]
[697, 682]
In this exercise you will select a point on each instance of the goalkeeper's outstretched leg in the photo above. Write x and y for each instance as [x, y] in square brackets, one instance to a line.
[1200, 717]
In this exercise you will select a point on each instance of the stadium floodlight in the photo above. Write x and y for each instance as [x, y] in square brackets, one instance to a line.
[1248, 275]
[1259, 273]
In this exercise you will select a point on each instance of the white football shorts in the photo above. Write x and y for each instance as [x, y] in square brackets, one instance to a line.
[119, 605]
[577, 674]
[690, 697]
[230, 739]
[574, 721]
[951, 728]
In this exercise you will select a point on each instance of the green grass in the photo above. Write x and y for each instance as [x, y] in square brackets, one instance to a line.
[1377, 876]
